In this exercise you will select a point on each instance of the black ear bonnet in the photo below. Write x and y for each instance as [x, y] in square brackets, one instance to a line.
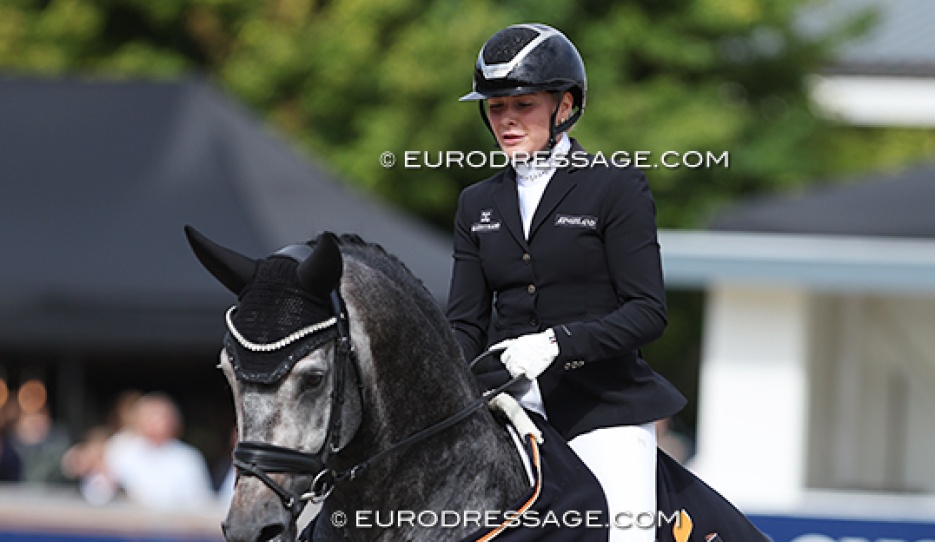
[273, 306]
[285, 309]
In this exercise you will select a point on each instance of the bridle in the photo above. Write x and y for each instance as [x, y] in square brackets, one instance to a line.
[260, 459]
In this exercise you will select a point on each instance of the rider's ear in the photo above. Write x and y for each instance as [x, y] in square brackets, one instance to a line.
[232, 269]
[320, 273]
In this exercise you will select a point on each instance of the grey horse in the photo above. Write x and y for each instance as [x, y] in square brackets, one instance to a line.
[350, 391]
[398, 336]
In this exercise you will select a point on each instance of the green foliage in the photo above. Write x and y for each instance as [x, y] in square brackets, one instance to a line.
[350, 79]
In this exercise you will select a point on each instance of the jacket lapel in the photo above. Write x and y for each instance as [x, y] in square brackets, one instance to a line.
[561, 183]
[507, 201]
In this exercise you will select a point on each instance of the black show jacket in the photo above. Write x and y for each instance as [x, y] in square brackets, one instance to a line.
[590, 270]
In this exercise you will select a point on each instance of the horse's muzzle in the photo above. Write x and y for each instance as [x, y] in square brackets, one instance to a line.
[254, 517]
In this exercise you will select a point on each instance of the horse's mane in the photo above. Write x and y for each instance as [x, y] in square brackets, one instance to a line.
[400, 277]
[414, 351]
[375, 256]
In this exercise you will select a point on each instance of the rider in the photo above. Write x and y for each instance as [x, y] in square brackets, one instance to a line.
[556, 257]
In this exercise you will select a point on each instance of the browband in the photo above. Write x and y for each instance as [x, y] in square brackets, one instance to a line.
[281, 343]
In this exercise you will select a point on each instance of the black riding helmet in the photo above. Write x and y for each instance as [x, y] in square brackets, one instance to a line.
[526, 58]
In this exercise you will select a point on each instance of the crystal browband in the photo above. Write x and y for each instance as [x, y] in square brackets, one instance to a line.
[281, 343]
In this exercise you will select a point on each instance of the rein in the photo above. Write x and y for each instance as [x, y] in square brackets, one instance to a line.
[259, 459]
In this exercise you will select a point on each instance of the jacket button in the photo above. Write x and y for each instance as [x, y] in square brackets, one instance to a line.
[567, 366]
[526, 257]
[531, 288]
[534, 322]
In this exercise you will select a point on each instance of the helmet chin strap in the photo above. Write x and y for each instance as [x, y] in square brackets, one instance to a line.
[564, 126]
[553, 130]
[483, 115]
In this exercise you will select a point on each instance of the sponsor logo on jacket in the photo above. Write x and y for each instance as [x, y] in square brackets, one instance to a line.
[576, 221]
[485, 224]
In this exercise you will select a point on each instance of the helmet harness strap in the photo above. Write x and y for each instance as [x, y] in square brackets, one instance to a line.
[553, 130]
[483, 114]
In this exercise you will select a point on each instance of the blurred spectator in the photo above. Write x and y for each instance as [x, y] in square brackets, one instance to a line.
[40, 444]
[123, 422]
[152, 465]
[9, 461]
[85, 462]
[10, 468]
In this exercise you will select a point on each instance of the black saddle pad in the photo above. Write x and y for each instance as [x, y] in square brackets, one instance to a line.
[570, 502]
[709, 513]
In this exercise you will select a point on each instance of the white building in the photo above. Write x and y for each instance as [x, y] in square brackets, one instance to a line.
[817, 384]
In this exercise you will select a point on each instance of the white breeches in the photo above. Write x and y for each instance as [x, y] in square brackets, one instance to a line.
[623, 459]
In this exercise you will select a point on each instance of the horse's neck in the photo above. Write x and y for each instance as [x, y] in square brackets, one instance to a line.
[417, 380]
[471, 466]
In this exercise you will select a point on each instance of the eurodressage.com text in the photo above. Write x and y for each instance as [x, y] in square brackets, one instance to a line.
[578, 159]
[531, 519]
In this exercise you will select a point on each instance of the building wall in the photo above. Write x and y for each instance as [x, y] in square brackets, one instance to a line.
[803, 391]
[872, 372]
[753, 394]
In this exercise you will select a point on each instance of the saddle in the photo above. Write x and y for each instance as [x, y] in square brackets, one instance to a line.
[688, 510]
[571, 505]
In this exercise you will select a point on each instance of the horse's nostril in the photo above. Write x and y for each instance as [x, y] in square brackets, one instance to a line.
[270, 532]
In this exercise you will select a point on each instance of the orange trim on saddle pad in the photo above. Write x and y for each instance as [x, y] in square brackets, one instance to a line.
[534, 445]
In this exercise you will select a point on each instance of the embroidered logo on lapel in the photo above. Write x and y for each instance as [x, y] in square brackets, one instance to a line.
[576, 221]
[485, 225]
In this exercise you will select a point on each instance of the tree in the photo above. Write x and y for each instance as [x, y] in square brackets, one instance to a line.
[347, 80]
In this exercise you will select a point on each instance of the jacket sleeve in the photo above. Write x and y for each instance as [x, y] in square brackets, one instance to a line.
[632, 253]
[469, 296]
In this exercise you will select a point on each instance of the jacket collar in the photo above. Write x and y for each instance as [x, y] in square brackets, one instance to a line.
[507, 200]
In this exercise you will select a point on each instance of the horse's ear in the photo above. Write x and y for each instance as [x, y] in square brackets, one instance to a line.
[320, 273]
[232, 269]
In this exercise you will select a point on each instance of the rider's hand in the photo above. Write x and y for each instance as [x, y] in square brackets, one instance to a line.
[528, 355]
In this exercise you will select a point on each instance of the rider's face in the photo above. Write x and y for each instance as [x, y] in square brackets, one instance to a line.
[521, 123]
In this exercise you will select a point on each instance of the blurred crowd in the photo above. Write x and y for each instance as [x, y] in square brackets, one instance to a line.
[138, 456]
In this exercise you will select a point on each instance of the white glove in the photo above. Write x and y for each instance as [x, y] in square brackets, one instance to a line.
[528, 355]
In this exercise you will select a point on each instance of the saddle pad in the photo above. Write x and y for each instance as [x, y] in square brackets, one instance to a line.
[710, 513]
[564, 503]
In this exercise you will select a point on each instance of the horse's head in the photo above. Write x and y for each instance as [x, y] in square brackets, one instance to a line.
[291, 370]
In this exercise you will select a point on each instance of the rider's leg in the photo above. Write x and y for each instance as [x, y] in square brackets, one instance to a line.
[623, 459]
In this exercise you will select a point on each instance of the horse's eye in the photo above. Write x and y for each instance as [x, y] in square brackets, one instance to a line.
[312, 380]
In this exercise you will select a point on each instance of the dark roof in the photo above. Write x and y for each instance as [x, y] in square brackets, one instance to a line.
[894, 205]
[900, 42]
[98, 179]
